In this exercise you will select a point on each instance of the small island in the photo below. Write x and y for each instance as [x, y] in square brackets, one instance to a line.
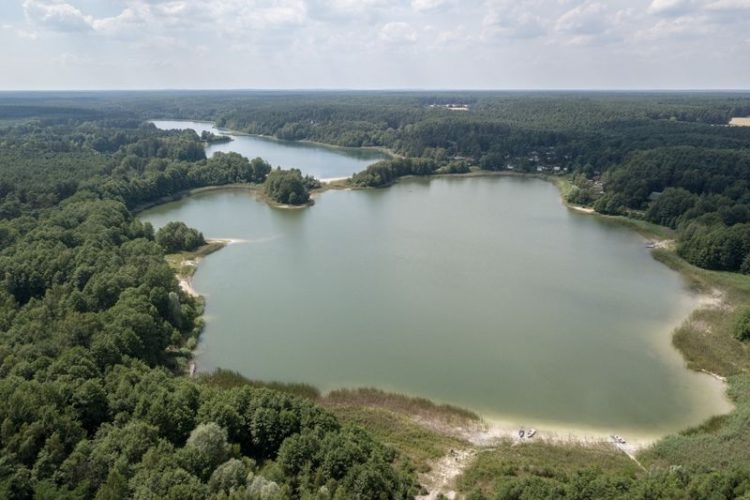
[288, 188]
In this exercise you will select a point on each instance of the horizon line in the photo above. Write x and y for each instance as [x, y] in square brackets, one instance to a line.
[383, 89]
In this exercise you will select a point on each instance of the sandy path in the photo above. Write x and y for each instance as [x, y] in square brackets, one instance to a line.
[332, 179]
[441, 479]
[187, 286]
[227, 241]
[578, 208]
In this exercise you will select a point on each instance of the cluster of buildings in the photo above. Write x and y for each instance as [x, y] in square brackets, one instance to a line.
[451, 107]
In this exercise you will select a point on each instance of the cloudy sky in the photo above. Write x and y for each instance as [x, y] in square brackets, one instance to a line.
[469, 44]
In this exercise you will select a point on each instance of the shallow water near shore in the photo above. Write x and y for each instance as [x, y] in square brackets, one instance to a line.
[485, 293]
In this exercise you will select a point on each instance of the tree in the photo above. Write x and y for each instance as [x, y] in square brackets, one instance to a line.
[178, 237]
[228, 476]
[668, 207]
[206, 448]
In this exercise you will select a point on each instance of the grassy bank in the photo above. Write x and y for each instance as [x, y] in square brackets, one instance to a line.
[227, 379]
[706, 339]
[538, 460]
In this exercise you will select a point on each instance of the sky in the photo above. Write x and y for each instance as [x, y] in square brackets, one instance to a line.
[374, 44]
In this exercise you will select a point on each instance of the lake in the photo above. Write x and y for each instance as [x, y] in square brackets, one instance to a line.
[322, 162]
[481, 292]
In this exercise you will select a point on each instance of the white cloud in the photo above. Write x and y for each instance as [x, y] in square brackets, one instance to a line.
[729, 5]
[345, 42]
[56, 15]
[425, 5]
[674, 8]
[398, 32]
[585, 19]
[670, 7]
[509, 19]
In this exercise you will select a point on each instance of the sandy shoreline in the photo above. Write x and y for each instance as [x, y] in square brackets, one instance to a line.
[186, 284]
[186, 281]
[490, 432]
[579, 208]
[440, 480]
[333, 179]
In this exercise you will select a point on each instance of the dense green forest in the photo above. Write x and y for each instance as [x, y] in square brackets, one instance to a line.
[94, 327]
[92, 333]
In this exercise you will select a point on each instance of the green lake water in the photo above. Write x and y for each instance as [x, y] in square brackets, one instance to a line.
[485, 293]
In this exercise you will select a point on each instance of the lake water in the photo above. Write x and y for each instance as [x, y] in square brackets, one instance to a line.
[481, 292]
[322, 162]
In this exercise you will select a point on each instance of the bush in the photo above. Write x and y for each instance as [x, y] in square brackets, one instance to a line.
[742, 326]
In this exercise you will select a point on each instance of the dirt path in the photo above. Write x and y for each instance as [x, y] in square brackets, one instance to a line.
[630, 451]
[186, 283]
[442, 477]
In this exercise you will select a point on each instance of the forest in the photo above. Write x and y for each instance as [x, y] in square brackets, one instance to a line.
[94, 328]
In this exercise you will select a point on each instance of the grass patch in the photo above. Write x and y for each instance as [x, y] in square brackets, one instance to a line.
[400, 403]
[719, 443]
[419, 444]
[644, 228]
[706, 339]
[538, 459]
[226, 379]
[563, 184]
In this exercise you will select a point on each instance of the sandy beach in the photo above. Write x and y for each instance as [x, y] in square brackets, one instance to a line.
[186, 281]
